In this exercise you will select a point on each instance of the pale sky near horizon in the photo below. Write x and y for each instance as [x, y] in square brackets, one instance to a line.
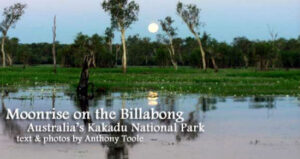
[224, 20]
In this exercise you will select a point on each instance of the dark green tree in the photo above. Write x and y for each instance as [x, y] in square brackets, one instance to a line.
[211, 47]
[11, 48]
[263, 52]
[109, 36]
[244, 47]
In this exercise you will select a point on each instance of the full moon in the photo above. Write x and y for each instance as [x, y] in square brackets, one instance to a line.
[153, 28]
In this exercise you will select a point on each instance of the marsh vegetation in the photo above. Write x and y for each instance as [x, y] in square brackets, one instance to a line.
[239, 82]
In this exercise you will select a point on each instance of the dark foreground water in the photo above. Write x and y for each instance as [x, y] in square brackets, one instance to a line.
[235, 127]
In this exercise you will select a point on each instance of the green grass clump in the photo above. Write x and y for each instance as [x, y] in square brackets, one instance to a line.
[239, 82]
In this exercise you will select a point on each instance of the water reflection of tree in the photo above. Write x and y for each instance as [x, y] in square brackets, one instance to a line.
[53, 102]
[222, 99]
[185, 134]
[109, 100]
[258, 102]
[207, 103]
[167, 104]
[120, 149]
[203, 105]
[83, 104]
[11, 127]
[117, 150]
[239, 99]
[98, 96]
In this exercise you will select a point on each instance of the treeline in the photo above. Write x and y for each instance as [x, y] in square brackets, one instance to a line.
[201, 50]
[242, 52]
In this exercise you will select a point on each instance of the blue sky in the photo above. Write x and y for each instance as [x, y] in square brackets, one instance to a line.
[224, 19]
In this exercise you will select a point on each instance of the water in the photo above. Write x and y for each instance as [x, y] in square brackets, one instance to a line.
[235, 127]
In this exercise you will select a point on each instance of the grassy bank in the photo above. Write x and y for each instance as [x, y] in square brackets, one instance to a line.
[185, 79]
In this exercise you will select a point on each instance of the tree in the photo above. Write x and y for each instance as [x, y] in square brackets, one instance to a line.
[79, 49]
[162, 57]
[123, 13]
[140, 50]
[190, 15]
[85, 45]
[11, 15]
[109, 36]
[263, 52]
[25, 54]
[211, 46]
[243, 46]
[103, 56]
[53, 44]
[275, 49]
[11, 49]
[167, 27]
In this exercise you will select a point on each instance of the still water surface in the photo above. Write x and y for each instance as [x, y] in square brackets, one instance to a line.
[235, 127]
